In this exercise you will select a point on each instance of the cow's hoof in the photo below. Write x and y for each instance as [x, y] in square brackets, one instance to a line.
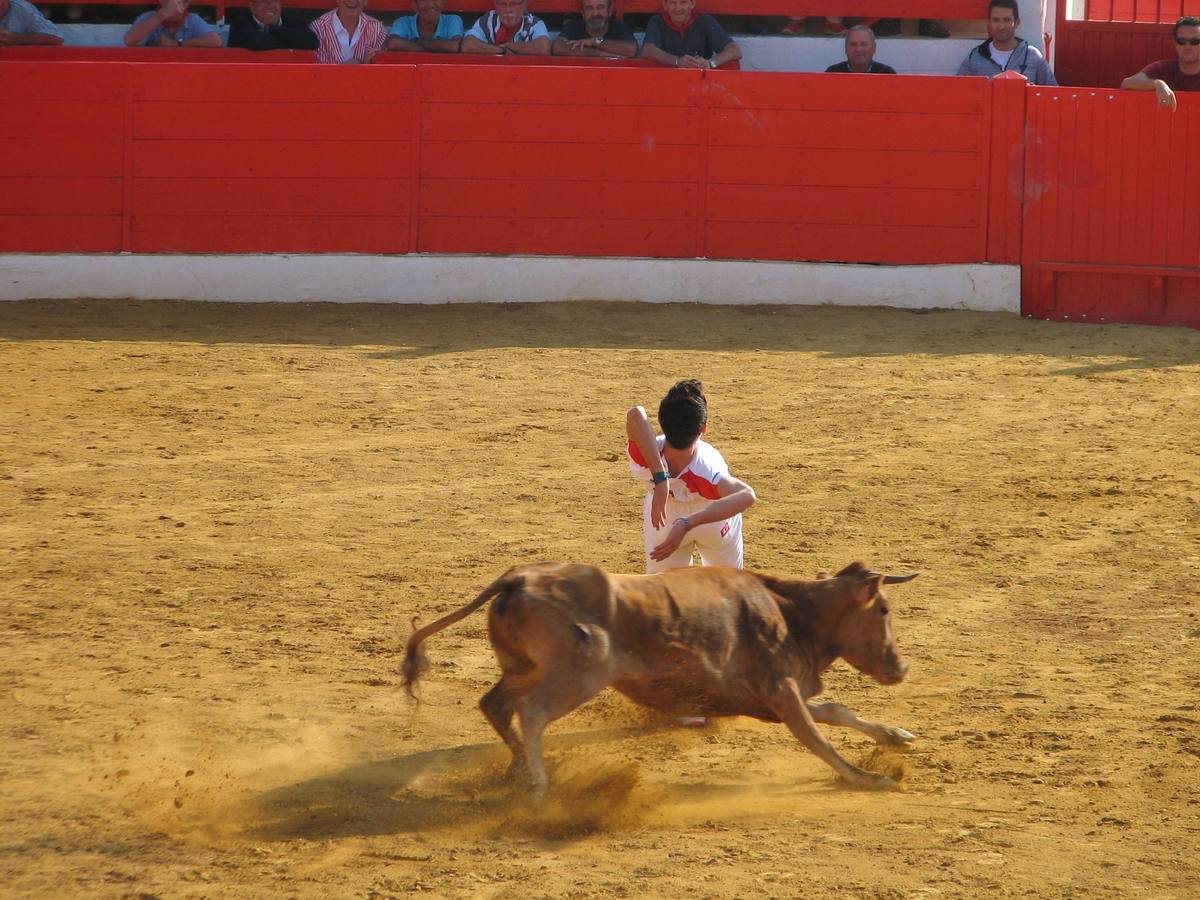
[896, 736]
[871, 781]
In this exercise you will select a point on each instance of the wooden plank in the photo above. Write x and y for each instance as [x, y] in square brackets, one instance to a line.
[843, 243]
[60, 234]
[504, 162]
[831, 168]
[60, 119]
[81, 157]
[584, 89]
[45, 81]
[585, 236]
[252, 120]
[182, 85]
[266, 234]
[60, 195]
[847, 128]
[843, 205]
[331, 160]
[278, 198]
[608, 199]
[880, 93]
[922, 9]
[537, 122]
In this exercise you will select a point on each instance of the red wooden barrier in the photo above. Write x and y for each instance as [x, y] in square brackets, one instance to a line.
[1111, 232]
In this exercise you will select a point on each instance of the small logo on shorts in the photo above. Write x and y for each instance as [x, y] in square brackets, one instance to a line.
[725, 528]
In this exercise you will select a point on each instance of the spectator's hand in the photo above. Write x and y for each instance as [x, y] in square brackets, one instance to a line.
[1166, 96]
[693, 62]
[658, 505]
[170, 10]
[370, 57]
[5, 37]
[678, 532]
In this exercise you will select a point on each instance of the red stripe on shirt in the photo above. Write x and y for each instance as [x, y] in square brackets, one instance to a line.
[636, 455]
[698, 485]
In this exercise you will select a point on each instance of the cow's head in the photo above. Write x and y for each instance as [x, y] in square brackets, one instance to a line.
[864, 632]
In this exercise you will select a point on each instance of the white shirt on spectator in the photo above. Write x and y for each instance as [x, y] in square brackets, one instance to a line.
[1001, 56]
[346, 41]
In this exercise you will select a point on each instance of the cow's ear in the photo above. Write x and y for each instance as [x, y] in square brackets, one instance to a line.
[868, 589]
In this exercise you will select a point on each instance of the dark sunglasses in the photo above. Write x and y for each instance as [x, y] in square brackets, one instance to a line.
[1183, 42]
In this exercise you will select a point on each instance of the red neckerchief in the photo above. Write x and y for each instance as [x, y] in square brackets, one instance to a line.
[680, 28]
[504, 34]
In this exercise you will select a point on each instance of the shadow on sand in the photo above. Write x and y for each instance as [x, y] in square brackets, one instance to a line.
[393, 331]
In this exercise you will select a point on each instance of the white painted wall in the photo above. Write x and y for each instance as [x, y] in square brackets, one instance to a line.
[348, 278]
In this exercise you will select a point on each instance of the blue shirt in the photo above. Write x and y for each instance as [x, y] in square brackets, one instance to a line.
[24, 18]
[193, 27]
[448, 28]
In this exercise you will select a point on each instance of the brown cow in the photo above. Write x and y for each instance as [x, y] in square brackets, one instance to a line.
[694, 641]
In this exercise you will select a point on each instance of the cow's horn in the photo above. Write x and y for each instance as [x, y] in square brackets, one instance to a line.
[899, 579]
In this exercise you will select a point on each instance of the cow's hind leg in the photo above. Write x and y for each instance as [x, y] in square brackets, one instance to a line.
[554, 697]
[498, 706]
[836, 714]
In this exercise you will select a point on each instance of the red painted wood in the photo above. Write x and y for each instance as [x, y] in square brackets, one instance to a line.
[580, 89]
[583, 236]
[53, 156]
[503, 166]
[68, 53]
[247, 119]
[267, 159]
[62, 194]
[1006, 169]
[885, 94]
[283, 198]
[301, 83]
[843, 243]
[265, 234]
[834, 167]
[60, 234]
[764, 204]
[537, 122]
[610, 199]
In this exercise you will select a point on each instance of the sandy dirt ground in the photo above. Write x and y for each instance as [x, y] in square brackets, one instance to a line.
[217, 522]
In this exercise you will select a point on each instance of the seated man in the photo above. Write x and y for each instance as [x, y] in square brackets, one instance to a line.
[688, 41]
[860, 53]
[509, 28]
[1006, 52]
[171, 25]
[265, 27]
[596, 34]
[21, 23]
[1167, 76]
[429, 31]
[347, 35]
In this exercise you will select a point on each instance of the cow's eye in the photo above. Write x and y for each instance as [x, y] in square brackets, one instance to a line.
[883, 610]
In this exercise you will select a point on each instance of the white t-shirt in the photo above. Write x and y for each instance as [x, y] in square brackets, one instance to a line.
[346, 43]
[1000, 56]
[696, 482]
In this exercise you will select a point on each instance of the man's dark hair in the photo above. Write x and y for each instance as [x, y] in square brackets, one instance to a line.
[1005, 4]
[1185, 22]
[683, 413]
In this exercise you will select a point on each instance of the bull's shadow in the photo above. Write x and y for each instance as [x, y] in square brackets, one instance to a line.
[465, 787]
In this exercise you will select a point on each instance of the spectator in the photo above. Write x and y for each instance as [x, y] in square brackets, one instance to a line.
[346, 34]
[171, 25]
[1006, 52]
[429, 31]
[596, 34]
[686, 40]
[1167, 76]
[860, 53]
[509, 28]
[265, 27]
[21, 23]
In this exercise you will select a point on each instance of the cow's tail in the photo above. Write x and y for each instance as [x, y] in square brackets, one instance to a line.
[415, 661]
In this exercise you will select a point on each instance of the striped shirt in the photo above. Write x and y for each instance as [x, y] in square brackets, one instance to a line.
[370, 35]
[488, 26]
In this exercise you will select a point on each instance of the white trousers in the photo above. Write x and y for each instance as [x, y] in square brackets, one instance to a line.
[718, 543]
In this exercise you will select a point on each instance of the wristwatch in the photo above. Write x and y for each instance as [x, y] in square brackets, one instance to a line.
[599, 41]
[712, 63]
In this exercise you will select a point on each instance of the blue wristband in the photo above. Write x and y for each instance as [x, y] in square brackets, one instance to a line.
[658, 477]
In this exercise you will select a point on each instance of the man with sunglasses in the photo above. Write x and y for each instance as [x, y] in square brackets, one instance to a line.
[1167, 76]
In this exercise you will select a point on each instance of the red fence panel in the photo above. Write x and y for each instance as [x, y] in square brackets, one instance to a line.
[1099, 54]
[1110, 232]
[571, 160]
[886, 169]
[272, 159]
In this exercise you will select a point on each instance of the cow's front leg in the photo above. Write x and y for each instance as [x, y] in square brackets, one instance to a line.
[793, 711]
[843, 716]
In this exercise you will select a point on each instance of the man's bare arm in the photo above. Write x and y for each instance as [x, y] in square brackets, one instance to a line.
[13, 38]
[536, 47]
[1143, 82]
[588, 47]
[472, 44]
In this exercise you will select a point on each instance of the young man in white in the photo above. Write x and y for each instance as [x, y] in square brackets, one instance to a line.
[693, 504]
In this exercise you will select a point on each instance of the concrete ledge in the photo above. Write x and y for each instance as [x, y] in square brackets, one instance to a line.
[347, 278]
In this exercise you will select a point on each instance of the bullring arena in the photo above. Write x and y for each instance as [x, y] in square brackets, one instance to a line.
[219, 519]
[220, 516]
